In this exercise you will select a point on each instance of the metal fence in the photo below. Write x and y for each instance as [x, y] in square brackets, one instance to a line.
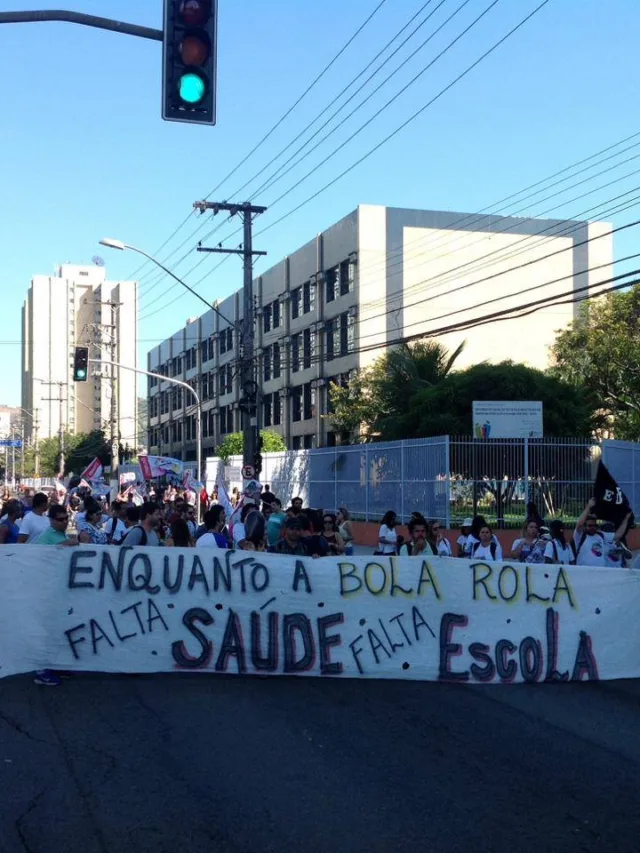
[622, 458]
[498, 477]
[445, 478]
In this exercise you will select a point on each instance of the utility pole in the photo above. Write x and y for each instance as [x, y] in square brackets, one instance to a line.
[59, 399]
[110, 330]
[251, 398]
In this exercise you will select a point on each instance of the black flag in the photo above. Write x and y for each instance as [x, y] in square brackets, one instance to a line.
[611, 502]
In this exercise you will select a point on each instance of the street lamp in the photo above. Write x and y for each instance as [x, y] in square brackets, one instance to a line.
[112, 243]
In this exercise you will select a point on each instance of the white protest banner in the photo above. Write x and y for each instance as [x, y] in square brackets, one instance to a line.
[165, 609]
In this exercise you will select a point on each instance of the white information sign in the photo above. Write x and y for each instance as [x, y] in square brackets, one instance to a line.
[507, 419]
[158, 609]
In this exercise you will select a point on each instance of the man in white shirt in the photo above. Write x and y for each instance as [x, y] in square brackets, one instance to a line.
[35, 522]
[592, 546]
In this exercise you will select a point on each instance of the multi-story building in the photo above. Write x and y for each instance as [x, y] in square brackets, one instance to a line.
[378, 276]
[78, 306]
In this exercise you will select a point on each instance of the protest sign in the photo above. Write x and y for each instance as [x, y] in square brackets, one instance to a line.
[93, 471]
[165, 609]
[159, 466]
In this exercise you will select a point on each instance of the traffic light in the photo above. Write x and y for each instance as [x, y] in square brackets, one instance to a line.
[189, 61]
[80, 364]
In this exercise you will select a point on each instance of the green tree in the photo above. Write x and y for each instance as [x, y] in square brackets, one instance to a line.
[80, 450]
[231, 445]
[600, 351]
[372, 405]
[445, 409]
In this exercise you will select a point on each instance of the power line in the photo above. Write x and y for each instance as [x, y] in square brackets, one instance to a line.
[408, 121]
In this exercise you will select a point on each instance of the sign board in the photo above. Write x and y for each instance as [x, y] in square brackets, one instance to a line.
[248, 472]
[109, 609]
[10, 442]
[507, 419]
[252, 489]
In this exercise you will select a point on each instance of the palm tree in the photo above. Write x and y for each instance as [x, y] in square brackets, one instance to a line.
[402, 372]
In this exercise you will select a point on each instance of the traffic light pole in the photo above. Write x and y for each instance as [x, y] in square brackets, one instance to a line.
[37, 17]
[251, 402]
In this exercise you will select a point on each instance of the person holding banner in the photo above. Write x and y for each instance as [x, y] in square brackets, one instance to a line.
[558, 551]
[530, 547]
[419, 545]
[487, 547]
[35, 522]
[89, 532]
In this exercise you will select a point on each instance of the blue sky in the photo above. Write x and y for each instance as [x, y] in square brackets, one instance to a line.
[85, 154]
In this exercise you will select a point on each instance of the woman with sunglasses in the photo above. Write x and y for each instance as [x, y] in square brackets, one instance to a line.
[332, 535]
[440, 545]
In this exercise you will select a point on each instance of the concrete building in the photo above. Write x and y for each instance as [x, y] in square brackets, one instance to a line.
[377, 276]
[78, 306]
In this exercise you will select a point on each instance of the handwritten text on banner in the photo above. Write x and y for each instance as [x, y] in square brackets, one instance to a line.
[165, 609]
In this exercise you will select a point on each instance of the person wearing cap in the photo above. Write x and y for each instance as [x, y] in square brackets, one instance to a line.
[464, 536]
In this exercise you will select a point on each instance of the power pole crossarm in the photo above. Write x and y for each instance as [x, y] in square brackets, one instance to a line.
[45, 15]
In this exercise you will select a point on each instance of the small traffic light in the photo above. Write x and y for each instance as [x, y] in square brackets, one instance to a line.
[80, 364]
[189, 61]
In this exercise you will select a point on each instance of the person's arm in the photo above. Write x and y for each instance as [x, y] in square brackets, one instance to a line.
[498, 552]
[4, 532]
[25, 530]
[517, 548]
[340, 546]
[585, 513]
[388, 538]
[621, 531]
[84, 538]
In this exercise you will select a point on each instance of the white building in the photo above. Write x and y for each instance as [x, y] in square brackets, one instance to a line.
[377, 276]
[79, 307]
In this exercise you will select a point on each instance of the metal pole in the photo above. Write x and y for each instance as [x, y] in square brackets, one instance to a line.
[115, 438]
[22, 455]
[174, 382]
[36, 447]
[249, 385]
[61, 466]
[38, 17]
[526, 474]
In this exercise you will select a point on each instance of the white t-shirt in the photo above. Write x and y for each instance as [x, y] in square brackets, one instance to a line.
[593, 551]
[461, 542]
[563, 554]
[33, 525]
[483, 552]
[530, 553]
[119, 531]
[444, 548]
[388, 535]
[207, 540]
[239, 532]
[471, 541]
[613, 553]
[191, 497]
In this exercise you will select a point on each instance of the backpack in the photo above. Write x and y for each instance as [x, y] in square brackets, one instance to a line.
[492, 548]
[577, 548]
[114, 524]
[143, 538]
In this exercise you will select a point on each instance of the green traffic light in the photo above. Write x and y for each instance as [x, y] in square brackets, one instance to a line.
[192, 88]
[81, 374]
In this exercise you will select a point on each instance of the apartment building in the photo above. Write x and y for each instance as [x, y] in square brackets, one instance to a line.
[79, 306]
[375, 277]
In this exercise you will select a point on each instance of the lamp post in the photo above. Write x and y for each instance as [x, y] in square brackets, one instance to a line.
[35, 418]
[198, 410]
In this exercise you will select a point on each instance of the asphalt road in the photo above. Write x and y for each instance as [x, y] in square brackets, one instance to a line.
[195, 763]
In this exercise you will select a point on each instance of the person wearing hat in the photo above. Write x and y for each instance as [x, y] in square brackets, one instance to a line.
[464, 536]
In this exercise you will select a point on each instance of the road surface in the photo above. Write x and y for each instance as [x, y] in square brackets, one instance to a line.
[199, 763]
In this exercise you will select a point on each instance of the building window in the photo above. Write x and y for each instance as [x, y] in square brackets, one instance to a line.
[331, 439]
[296, 342]
[296, 303]
[266, 363]
[205, 387]
[226, 340]
[308, 297]
[329, 334]
[347, 277]
[296, 442]
[331, 284]
[271, 316]
[308, 346]
[340, 335]
[307, 442]
[211, 417]
[176, 402]
[303, 399]
[272, 410]
[225, 377]
[176, 432]
[226, 420]
[204, 351]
